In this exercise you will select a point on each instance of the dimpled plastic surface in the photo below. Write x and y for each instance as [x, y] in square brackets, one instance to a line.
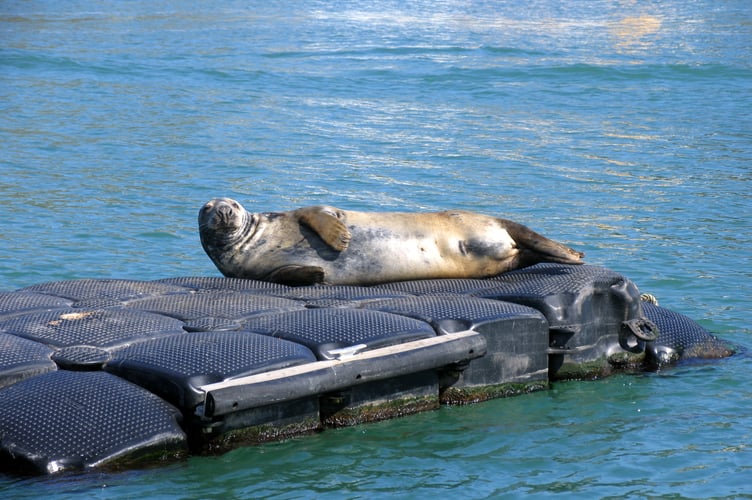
[65, 401]
[192, 359]
[66, 419]
[684, 335]
[215, 304]
[80, 357]
[353, 293]
[433, 308]
[570, 297]
[220, 283]
[437, 286]
[14, 302]
[21, 358]
[551, 279]
[516, 336]
[321, 329]
[98, 289]
[340, 296]
[585, 306]
[96, 327]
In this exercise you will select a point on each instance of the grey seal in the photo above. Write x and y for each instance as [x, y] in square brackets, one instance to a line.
[324, 244]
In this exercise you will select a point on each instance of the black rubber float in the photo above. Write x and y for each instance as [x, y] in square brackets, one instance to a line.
[222, 283]
[591, 312]
[437, 286]
[94, 327]
[334, 333]
[117, 372]
[65, 420]
[328, 331]
[516, 338]
[176, 366]
[19, 302]
[340, 296]
[215, 304]
[355, 387]
[103, 292]
[681, 338]
[81, 357]
[21, 358]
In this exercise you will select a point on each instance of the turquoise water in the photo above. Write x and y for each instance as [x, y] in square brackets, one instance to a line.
[619, 127]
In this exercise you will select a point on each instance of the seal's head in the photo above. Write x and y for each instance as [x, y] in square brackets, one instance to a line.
[221, 221]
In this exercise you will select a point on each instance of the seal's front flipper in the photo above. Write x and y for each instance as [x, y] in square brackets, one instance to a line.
[328, 223]
[295, 275]
[534, 248]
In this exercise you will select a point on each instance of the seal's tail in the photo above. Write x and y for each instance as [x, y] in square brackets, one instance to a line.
[535, 247]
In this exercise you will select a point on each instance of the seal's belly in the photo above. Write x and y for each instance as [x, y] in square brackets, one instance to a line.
[381, 254]
[395, 248]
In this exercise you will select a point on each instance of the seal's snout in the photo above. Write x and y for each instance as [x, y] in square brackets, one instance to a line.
[224, 213]
[220, 213]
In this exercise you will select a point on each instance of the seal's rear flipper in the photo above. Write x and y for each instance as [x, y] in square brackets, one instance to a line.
[535, 248]
[295, 275]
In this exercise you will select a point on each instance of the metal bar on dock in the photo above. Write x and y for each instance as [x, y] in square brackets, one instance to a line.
[325, 376]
